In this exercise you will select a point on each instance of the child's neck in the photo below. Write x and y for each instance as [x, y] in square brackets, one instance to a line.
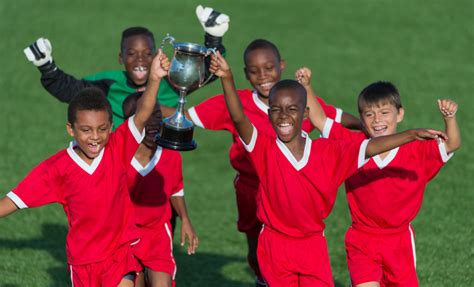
[263, 99]
[144, 154]
[296, 147]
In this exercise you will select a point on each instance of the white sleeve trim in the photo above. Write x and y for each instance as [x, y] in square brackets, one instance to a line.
[362, 153]
[179, 193]
[327, 128]
[135, 132]
[249, 147]
[338, 117]
[442, 151]
[18, 202]
[195, 118]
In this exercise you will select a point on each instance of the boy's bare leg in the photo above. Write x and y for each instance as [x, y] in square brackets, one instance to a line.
[369, 284]
[140, 281]
[159, 279]
[126, 283]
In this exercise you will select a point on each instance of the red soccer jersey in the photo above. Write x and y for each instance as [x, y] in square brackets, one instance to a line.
[95, 197]
[152, 185]
[387, 194]
[212, 114]
[295, 196]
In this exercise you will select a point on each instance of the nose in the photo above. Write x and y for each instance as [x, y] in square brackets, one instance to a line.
[376, 117]
[95, 134]
[261, 73]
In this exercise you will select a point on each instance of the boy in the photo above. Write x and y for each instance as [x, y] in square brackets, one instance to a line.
[90, 180]
[298, 180]
[386, 194]
[263, 68]
[137, 49]
[155, 177]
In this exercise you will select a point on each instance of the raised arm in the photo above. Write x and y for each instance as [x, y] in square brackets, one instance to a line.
[58, 83]
[448, 110]
[7, 207]
[241, 122]
[316, 112]
[385, 143]
[187, 229]
[146, 103]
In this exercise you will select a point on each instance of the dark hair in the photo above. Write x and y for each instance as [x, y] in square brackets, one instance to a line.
[134, 31]
[377, 93]
[129, 105]
[88, 99]
[289, 85]
[261, 44]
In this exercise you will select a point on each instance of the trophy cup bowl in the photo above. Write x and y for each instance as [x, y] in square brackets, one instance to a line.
[186, 74]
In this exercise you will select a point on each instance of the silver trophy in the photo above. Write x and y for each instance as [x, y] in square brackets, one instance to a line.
[186, 74]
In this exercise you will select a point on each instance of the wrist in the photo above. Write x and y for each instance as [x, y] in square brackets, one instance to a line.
[48, 67]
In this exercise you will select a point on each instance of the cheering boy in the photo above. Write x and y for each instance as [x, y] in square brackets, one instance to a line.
[90, 180]
[298, 180]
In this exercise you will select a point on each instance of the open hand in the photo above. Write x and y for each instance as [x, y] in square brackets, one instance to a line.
[187, 230]
[427, 134]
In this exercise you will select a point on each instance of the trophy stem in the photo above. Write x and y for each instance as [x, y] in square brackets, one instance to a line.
[180, 113]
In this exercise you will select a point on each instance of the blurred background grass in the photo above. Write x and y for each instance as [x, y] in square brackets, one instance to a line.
[424, 47]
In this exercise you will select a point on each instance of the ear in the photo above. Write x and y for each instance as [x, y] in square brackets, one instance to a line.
[120, 58]
[246, 74]
[401, 113]
[70, 129]
[306, 113]
[282, 65]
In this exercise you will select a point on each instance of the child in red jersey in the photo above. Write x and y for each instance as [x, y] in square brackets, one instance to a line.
[298, 180]
[386, 194]
[263, 68]
[90, 180]
[155, 178]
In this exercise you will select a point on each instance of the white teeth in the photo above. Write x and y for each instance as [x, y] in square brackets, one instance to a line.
[140, 69]
[266, 85]
[285, 125]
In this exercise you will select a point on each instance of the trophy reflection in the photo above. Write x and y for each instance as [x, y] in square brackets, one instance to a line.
[186, 73]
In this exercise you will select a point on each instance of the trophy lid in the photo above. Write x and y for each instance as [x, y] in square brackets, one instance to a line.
[190, 48]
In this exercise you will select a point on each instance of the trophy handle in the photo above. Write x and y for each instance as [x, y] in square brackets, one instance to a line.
[167, 38]
[209, 52]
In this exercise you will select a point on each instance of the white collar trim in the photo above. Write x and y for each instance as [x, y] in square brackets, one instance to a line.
[80, 162]
[298, 165]
[381, 163]
[144, 170]
[260, 104]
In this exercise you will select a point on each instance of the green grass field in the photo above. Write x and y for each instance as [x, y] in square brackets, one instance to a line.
[425, 47]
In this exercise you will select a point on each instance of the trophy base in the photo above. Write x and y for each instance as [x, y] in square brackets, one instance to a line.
[181, 140]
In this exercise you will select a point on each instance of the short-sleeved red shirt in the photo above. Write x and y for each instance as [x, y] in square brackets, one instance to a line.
[212, 114]
[151, 187]
[387, 194]
[296, 196]
[95, 197]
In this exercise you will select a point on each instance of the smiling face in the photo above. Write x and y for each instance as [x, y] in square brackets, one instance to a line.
[286, 113]
[137, 55]
[263, 70]
[91, 131]
[381, 119]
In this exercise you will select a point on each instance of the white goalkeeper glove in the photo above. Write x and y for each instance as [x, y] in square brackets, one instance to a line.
[213, 22]
[39, 53]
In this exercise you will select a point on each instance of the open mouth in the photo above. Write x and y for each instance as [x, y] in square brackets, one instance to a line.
[266, 86]
[140, 72]
[379, 130]
[93, 147]
[285, 128]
